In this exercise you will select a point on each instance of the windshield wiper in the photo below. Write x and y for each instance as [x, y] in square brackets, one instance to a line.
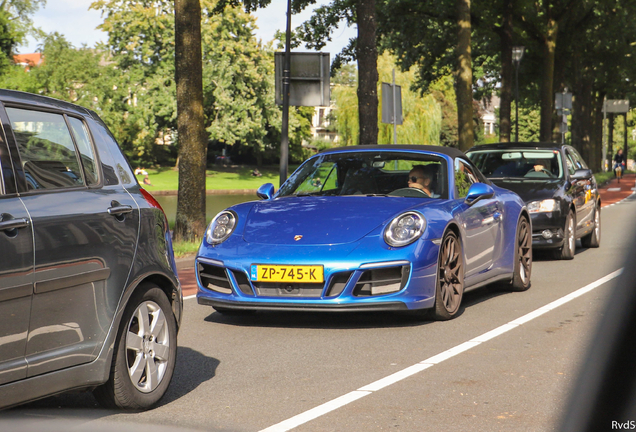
[306, 194]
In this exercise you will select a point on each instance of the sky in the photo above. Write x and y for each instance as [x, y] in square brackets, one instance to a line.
[78, 24]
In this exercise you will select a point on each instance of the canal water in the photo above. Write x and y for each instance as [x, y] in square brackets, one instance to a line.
[213, 204]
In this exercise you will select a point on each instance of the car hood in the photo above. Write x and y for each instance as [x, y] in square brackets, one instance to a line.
[531, 190]
[320, 220]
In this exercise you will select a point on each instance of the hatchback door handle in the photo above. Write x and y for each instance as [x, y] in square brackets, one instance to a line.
[119, 210]
[12, 224]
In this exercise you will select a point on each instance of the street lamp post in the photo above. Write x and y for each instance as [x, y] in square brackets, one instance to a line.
[284, 131]
[517, 54]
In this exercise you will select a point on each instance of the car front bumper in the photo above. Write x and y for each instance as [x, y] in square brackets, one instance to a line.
[356, 277]
[547, 230]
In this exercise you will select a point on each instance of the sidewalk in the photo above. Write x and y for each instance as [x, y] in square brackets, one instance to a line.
[611, 193]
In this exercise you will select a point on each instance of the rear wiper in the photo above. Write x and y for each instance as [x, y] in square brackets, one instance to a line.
[373, 195]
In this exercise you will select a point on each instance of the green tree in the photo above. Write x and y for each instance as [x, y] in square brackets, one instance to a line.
[15, 25]
[237, 75]
[436, 38]
[422, 114]
[318, 30]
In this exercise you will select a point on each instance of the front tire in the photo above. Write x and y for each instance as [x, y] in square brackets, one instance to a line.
[523, 257]
[145, 353]
[449, 288]
[593, 239]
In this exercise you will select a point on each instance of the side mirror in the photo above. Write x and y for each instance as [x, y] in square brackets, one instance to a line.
[581, 174]
[266, 191]
[477, 192]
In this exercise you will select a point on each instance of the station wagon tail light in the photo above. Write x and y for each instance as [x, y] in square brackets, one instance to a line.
[548, 205]
[404, 229]
[221, 227]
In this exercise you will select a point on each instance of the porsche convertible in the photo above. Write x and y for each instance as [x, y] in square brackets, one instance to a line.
[368, 228]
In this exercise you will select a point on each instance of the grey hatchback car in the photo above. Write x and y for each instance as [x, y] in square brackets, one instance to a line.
[89, 297]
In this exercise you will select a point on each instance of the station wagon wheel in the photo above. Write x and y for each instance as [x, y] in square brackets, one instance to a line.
[523, 257]
[569, 245]
[145, 353]
[450, 278]
[593, 239]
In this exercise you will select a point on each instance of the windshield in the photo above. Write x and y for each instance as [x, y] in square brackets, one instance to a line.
[526, 164]
[370, 173]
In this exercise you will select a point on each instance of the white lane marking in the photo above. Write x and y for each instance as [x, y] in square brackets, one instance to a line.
[614, 189]
[316, 412]
[190, 296]
[398, 376]
[341, 401]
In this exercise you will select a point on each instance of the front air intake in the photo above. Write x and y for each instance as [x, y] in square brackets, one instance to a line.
[381, 281]
[214, 278]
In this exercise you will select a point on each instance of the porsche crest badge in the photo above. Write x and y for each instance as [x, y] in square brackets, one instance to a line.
[297, 237]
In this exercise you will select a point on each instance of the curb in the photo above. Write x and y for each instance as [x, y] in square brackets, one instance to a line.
[209, 192]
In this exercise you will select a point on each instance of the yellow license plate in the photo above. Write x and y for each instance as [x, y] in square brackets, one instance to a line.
[287, 273]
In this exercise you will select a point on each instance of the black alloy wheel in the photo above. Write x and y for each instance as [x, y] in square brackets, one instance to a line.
[450, 278]
[523, 257]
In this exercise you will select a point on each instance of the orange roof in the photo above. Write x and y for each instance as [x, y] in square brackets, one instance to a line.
[28, 60]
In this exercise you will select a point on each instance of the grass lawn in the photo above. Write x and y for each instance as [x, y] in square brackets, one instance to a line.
[604, 177]
[218, 178]
[185, 249]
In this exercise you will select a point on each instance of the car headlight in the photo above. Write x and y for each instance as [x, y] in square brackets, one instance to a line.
[548, 205]
[404, 229]
[221, 227]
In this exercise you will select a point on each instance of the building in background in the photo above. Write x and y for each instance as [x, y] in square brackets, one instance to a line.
[27, 61]
[489, 118]
[321, 124]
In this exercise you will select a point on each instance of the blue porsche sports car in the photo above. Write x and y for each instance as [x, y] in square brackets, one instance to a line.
[365, 228]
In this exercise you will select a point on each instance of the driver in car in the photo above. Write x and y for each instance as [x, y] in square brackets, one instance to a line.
[421, 178]
[542, 165]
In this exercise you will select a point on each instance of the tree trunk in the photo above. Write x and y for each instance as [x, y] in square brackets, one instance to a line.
[367, 55]
[190, 221]
[582, 115]
[464, 78]
[597, 132]
[547, 82]
[506, 73]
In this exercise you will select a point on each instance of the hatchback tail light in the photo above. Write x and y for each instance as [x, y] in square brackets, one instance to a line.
[150, 199]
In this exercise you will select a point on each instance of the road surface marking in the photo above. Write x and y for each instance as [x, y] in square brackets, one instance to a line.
[353, 396]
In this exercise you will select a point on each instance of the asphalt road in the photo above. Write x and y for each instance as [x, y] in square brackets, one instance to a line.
[252, 373]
